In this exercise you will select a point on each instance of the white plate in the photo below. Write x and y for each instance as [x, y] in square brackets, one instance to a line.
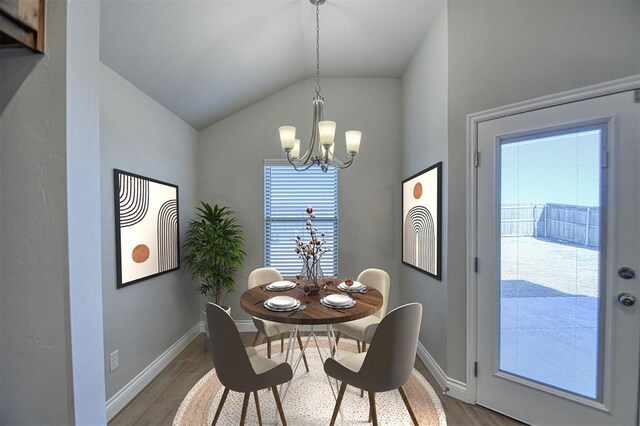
[356, 286]
[281, 285]
[329, 305]
[338, 300]
[281, 302]
[290, 308]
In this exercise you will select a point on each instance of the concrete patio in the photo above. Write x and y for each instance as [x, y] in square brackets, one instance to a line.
[549, 313]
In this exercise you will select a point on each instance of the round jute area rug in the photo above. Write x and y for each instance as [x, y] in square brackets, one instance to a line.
[309, 400]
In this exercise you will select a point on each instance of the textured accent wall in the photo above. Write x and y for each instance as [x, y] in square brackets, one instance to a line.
[35, 348]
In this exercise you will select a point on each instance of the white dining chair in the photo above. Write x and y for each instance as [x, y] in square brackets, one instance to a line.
[362, 329]
[268, 328]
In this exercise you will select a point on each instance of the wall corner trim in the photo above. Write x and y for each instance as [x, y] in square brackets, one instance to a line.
[121, 398]
[451, 387]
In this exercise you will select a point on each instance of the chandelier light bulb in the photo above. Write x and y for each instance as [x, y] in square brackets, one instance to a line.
[295, 152]
[327, 131]
[353, 141]
[287, 137]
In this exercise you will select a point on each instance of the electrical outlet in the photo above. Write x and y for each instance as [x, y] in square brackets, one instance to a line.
[114, 359]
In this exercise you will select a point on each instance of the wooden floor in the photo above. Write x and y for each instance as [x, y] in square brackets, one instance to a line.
[158, 403]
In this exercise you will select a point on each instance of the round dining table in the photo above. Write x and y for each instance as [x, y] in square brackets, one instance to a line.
[314, 313]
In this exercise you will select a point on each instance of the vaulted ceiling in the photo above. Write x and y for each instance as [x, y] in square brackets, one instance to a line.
[206, 59]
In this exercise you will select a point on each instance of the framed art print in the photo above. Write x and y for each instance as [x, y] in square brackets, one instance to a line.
[422, 221]
[146, 213]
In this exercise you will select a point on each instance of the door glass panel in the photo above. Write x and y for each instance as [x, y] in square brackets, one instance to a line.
[550, 189]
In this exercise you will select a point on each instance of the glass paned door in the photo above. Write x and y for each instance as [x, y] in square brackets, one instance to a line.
[557, 205]
[549, 295]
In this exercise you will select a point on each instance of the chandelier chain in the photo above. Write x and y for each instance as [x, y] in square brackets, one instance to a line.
[318, 48]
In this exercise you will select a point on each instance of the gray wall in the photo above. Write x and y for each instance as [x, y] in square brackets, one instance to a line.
[501, 52]
[424, 96]
[232, 152]
[35, 376]
[50, 294]
[15, 66]
[138, 135]
[83, 212]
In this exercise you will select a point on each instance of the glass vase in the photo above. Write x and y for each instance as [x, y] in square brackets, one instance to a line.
[312, 274]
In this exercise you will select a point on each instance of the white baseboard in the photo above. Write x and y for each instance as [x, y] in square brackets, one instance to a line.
[245, 326]
[458, 390]
[433, 367]
[451, 387]
[121, 398]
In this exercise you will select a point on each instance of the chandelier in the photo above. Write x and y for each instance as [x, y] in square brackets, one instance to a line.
[321, 143]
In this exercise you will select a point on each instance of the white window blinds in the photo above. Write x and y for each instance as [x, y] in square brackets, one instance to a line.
[287, 194]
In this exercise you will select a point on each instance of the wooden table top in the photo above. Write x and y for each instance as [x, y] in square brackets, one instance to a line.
[315, 313]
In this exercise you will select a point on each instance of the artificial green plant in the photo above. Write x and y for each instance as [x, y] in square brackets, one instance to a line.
[214, 243]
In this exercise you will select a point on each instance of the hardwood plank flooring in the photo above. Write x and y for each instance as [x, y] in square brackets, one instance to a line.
[158, 403]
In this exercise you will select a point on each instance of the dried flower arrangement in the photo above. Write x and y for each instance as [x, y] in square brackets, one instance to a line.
[312, 251]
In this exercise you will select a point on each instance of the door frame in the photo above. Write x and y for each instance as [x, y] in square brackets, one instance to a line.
[473, 120]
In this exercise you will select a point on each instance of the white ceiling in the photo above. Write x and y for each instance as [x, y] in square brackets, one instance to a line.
[207, 59]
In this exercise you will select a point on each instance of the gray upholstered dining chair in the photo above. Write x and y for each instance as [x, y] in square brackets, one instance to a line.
[268, 328]
[241, 369]
[362, 329]
[388, 363]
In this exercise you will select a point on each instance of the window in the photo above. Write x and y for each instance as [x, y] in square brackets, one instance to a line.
[287, 194]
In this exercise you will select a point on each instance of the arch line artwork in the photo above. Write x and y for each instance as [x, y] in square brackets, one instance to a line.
[167, 236]
[422, 221]
[147, 227]
[133, 199]
[420, 239]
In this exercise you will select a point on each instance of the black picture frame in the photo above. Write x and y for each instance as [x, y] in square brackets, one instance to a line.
[422, 221]
[147, 227]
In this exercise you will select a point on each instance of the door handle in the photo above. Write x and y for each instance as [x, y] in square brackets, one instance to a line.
[626, 299]
[626, 273]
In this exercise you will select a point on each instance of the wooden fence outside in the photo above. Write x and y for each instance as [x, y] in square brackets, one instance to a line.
[568, 223]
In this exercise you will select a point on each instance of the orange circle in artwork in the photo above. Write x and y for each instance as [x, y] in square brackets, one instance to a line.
[140, 253]
[417, 190]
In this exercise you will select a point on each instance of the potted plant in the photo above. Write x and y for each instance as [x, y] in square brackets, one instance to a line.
[214, 251]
